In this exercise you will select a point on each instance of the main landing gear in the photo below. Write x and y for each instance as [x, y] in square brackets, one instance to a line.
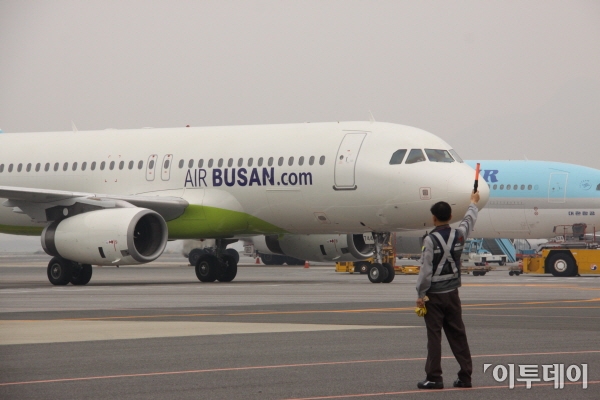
[381, 272]
[61, 272]
[220, 266]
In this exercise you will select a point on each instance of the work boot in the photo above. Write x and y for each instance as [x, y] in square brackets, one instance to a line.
[430, 385]
[460, 384]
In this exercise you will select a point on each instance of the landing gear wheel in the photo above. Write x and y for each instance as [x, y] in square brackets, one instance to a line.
[475, 273]
[511, 273]
[482, 273]
[267, 259]
[501, 263]
[377, 273]
[81, 274]
[59, 271]
[195, 254]
[227, 269]
[233, 253]
[561, 264]
[391, 273]
[207, 268]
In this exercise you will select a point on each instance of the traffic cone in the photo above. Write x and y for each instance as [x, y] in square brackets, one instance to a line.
[306, 264]
[257, 260]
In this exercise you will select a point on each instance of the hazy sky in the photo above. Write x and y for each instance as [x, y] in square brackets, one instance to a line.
[495, 79]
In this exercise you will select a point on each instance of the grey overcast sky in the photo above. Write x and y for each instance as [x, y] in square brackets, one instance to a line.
[495, 79]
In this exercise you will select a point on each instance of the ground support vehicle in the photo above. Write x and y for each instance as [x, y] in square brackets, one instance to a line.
[477, 270]
[567, 259]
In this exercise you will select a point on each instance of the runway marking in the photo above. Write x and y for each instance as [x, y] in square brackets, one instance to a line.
[347, 396]
[264, 367]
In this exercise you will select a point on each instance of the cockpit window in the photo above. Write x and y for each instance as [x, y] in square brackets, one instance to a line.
[415, 156]
[398, 156]
[456, 156]
[439, 155]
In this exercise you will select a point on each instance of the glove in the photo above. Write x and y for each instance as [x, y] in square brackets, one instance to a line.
[421, 311]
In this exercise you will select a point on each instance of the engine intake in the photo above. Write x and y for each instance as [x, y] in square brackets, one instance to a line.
[105, 237]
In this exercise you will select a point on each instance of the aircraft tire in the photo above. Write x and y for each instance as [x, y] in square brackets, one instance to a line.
[377, 273]
[267, 259]
[195, 255]
[81, 274]
[511, 273]
[391, 273]
[233, 253]
[207, 268]
[362, 267]
[59, 271]
[227, 269]
[561, 264]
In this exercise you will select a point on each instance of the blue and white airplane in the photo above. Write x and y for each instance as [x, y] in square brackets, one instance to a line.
[528, 200]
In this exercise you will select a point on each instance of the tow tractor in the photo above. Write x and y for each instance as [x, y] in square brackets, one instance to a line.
[569, 254]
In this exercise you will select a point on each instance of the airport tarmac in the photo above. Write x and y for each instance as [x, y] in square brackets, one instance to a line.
[279, 332]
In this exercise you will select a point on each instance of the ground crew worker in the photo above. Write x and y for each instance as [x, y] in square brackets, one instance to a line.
[439, 280]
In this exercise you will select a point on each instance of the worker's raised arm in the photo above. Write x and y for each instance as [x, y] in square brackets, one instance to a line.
[468, 222]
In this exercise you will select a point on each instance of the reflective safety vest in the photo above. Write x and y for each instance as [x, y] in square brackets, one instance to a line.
[446, 261]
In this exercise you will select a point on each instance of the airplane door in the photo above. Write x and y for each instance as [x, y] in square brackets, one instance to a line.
[557, 187]
[345, 160]
[166, 167]
[150, 167]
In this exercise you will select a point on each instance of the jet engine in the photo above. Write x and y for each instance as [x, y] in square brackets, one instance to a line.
[341, 247]
[118, 236]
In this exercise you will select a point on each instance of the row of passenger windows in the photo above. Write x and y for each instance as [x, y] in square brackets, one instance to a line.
[514, 187]
[250, 162]
[74, 166]
[416, 155]
[131, 164]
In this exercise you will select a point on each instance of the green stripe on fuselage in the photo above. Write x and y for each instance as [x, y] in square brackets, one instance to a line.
[211, 222]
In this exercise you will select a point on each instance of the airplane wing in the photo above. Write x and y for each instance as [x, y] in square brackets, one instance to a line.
[44, 205]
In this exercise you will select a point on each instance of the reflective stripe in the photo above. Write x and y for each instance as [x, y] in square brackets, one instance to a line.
[447, 257]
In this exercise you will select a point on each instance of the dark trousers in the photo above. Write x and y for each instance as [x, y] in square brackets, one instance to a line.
[444, 311]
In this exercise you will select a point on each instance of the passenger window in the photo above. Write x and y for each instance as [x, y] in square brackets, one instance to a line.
[495, 186]
[397, 157]
[250, 160]
[522, 187]
[456, 156]
[47, 167]
[301, 161]
[1, 168]
[102, 165]
[10, 168]
[280, 162]
[200, 163]
[93, 166]
[74, 166]
[65, 166]
[240, 162]
[150, 165]
[311, 160]
[29, 167]
[598, 187]
[507, 187]
[528, 187]
[19, 167]
[515, 187]
[270, 163]
[260, 162]
[291, 161]
[112, 165]
[220, 164]
[322, 160]
[166, 164]
[181, 162]
[131, 164]
[37, 167]
[210, 163]
[190, 163]
[83, 166]
[415, 156]
[140, 164]
[56, 165]
[436, 155]
[230, 163]
[501, 187]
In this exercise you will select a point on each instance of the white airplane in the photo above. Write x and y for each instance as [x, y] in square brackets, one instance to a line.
[115, 197]
[528, 200]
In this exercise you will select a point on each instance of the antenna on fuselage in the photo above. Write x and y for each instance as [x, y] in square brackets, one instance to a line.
[73, 126]
[371, 117]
